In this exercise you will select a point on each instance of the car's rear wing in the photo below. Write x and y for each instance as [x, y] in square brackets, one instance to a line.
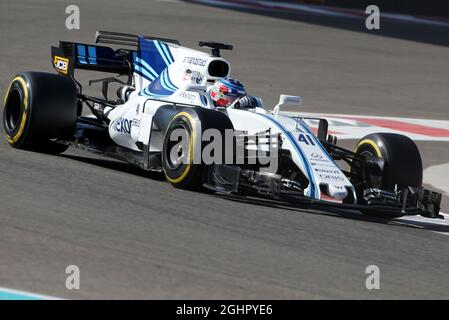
[70, 56]
[126, 39]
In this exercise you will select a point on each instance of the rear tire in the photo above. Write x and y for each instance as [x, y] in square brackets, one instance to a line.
[39, 107]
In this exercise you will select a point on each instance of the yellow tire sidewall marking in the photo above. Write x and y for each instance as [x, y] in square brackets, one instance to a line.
[190, 154]
[371, 143]
[19, 133]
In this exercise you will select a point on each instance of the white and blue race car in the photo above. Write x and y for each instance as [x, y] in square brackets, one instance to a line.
[164, 120]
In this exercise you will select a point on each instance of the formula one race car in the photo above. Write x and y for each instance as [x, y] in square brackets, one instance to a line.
[163, 119]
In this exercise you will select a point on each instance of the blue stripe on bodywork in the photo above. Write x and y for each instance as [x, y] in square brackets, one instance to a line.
[161, 52]
[144, 64]
[165, 80]
[170, 83]
[313, 191]
[81, 54]
[147, 92]
[92, 55]
[317, 142]
[152, 62]
[143, 72]
[157, 88]
[168, 52]
[150, 53]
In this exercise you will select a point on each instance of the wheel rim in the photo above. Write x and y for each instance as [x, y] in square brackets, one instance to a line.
[178, 157]
[357, 170]
[375, 183]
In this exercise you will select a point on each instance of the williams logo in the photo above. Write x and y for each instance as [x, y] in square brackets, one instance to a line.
[61, 64]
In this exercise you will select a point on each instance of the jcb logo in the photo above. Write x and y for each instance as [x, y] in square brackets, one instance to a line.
[61, 64]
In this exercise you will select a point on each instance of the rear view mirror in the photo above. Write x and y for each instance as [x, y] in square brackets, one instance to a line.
[287, 100]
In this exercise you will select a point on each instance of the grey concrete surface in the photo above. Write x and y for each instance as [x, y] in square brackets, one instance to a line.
[437, 176]
[134, 236]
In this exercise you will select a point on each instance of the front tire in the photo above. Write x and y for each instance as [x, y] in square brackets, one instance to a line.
[177, 155]
[402, 166]
[179, 164]
[39, 107]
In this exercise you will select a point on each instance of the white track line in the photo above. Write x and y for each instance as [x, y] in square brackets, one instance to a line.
[435, 225]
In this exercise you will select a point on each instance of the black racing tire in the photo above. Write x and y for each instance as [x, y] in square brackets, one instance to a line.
[194, 121]
[402, 164]
[39, 107]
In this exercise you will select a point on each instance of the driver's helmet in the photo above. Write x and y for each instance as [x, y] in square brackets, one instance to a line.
[225, 91]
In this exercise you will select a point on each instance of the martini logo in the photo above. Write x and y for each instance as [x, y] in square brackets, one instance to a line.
[61, 64]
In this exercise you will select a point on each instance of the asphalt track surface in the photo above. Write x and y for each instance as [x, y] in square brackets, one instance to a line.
[134, 236]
